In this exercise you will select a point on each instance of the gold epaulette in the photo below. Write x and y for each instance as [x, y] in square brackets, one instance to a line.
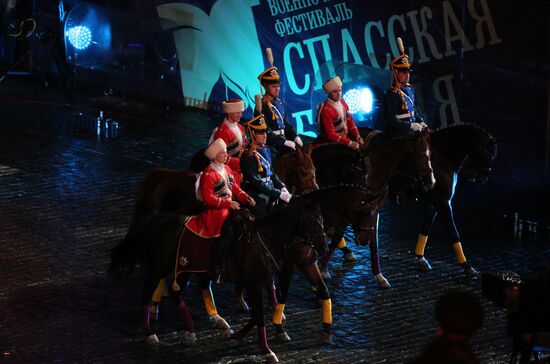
[394, 89]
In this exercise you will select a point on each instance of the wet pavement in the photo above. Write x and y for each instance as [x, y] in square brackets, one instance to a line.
[66, 196]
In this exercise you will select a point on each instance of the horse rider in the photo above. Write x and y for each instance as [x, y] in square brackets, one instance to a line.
[218, 190]
[281, 135]
[259, 180]
[335, 123]
[232, 133]
[401, 116]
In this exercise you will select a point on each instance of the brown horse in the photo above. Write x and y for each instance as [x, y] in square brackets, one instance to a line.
[174, 190]
[372, 167]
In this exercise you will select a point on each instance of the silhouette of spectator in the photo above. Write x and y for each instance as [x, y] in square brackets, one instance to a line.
[459, 315]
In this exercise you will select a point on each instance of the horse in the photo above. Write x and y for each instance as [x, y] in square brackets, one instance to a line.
[166, 190]
[162, 238]
[174, 190]
[451, 148]
[294, 235]
[372, 166]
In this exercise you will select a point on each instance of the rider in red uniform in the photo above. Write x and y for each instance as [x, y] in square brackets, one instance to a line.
[334, 120]
[232, 133]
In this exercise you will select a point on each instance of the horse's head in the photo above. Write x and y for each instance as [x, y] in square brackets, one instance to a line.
[363, 226]
[481, 157]
[305, 170]
[421, 158]
[365, 210]
[312, 228]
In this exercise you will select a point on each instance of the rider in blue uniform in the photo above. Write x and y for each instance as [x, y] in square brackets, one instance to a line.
[259, 180]
[281, 135]
[401, 114]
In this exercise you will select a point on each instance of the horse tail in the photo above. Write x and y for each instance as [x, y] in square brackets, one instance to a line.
[126, 253]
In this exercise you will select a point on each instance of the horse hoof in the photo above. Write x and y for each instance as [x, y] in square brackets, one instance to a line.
[325, 273]
[152, 339]
[189, 337]
[382, 281]
[270, 357]
[350, 257]
[241, 306]
[228, 333]
[423, 265]
[282, 336]
[220, 322]
[471, 273]
[327, 338]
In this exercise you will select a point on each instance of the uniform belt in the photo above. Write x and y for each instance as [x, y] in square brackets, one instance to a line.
[279, 132]
[266, 179]
[405, 116]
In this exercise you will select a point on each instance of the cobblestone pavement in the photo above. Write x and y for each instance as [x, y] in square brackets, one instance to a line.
[65, 201]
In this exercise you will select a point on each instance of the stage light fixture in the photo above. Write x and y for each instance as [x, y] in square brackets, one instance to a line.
[80, 37]
[359, 100]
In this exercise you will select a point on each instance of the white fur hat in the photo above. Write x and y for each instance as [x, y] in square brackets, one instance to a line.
[233, 105]
[332, 84]
[213, 149]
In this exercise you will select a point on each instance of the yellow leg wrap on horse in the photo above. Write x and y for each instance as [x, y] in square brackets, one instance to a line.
[420, 245]
[459, 253]
[327, 311]
[209, 302]
[157, 295]
[278, 314]
[342, 244]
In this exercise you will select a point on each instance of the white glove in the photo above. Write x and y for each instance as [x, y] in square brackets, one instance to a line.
[285, 196]
[416, 127]
[298, 141]
[290, 144]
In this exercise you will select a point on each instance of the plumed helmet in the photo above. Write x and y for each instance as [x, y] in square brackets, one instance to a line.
[257, 124]
[401, 62]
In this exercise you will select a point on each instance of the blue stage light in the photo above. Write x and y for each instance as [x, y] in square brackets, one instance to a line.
[359, 100]
[79, 36]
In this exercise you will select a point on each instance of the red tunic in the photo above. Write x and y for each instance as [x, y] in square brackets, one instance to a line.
[216, 194]
[234, 147]
[336, 128]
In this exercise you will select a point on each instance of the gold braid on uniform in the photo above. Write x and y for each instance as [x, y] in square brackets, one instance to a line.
[273, 116]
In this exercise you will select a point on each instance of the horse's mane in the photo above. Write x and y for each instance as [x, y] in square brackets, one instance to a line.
[464, 126]
[299, 199]
[332, 147]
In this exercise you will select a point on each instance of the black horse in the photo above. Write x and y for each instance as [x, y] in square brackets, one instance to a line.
[157, 248]
[451, 149]
[372, 167]
[293, 235]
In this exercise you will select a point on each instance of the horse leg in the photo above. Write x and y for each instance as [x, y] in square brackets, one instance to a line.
[149, 285]
[188, 334]
[428, 218]
[155, 301]
[348, 253]
[313, 275]
[375, 256]
[255, 295]
[447, 217]
[240, 303]
[205, 282]
[285, 277]
[337, 236]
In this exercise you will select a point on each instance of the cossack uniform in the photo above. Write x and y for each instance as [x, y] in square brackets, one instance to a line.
[335, 123]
